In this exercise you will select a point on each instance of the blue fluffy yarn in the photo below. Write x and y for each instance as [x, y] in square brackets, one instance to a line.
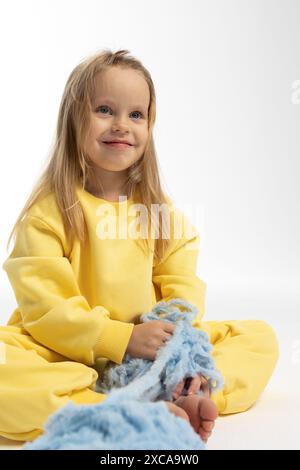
[124, 424]
[128, 418]
[186, 354]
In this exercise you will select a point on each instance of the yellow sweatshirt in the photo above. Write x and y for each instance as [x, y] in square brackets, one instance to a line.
[83, 301]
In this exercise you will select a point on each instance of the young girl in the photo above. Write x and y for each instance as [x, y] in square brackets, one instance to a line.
[80, 293]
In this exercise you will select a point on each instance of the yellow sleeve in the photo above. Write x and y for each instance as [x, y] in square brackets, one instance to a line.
[175, 276]
[53, 310]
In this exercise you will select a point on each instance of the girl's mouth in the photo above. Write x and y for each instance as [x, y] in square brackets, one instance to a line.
[118, 145]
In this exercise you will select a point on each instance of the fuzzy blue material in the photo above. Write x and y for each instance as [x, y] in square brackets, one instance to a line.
[117, 424]
[128, 418]
[186, 354]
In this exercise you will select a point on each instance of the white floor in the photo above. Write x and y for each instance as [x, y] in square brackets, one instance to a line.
[273, 422]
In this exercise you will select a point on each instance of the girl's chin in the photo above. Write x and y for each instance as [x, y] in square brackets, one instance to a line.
[113, 166]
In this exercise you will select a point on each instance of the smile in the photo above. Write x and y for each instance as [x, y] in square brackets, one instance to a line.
[117, 145]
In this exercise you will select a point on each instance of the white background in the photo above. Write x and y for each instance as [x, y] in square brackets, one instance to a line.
[227, 139]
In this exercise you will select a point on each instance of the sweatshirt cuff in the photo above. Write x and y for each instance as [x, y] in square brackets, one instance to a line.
[114, 340]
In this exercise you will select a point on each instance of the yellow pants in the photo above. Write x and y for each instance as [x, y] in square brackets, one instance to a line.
[36, 381]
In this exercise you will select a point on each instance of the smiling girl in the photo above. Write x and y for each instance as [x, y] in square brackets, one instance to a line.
[80, 295]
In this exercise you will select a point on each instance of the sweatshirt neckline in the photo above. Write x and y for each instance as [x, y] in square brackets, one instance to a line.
[101, 200]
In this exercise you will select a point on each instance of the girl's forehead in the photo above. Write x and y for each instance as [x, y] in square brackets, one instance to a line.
[116, 83]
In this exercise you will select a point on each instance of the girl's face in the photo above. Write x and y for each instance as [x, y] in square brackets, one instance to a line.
[120, 111]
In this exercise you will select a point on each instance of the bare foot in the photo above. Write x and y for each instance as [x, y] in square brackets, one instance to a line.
[178, 411]
[201, 411]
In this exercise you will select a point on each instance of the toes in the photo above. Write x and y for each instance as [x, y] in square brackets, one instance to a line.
[208, 414]
[208, 410]
[207, 425]
[204, 435]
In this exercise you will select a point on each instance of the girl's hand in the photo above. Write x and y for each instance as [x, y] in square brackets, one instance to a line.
[147, 338]
[196, 383]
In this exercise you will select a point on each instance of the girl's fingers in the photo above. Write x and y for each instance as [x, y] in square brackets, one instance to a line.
[205, 386]
[168, 327]
[178, 390]
[194, 385]
[167, 336]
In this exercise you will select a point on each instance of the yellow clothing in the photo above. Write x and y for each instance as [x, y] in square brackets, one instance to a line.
[77, 306]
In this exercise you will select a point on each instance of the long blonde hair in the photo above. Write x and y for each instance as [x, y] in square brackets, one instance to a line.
[68, 167]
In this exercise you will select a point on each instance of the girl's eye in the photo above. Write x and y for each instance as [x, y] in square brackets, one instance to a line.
[137, 112]
[101, 107]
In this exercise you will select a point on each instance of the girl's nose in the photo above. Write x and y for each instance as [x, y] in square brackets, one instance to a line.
[120, 126]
